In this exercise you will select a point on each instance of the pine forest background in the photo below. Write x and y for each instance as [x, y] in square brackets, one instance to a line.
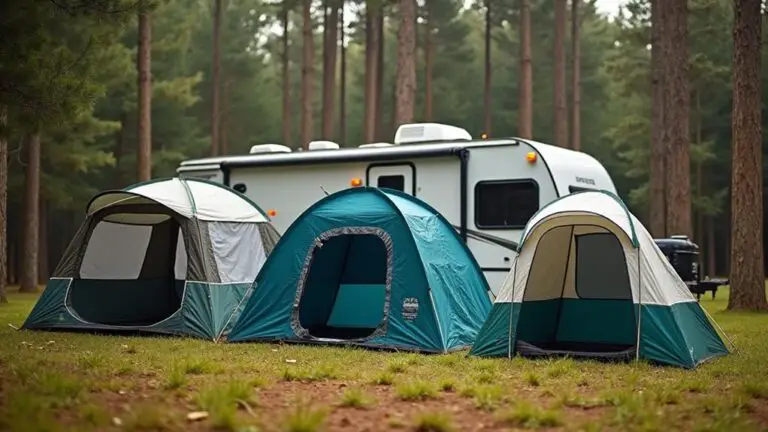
[81, 58]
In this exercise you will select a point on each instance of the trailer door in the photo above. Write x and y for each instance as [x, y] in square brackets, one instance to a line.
[400, 176]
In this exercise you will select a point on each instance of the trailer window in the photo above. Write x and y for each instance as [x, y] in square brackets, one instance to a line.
[506, 204]
[396, 182]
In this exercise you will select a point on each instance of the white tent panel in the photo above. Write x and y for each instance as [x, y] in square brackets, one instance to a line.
[659, 282]
[186, 197]
[115, 251]
[238, 250]
[214, 203]
[180, 266]
[599, 204]
[170, 193]
[549, 265]
[653, 280]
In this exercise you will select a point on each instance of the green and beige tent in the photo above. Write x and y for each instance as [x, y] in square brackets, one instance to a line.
[172, 256]
[589, 281]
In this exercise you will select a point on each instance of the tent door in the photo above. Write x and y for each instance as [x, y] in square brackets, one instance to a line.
[398, 176]
[345, 291]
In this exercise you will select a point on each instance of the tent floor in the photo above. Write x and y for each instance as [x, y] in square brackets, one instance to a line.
[328, 332]
[597, 351]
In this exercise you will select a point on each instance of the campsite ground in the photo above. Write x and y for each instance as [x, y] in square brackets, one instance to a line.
[60, 381]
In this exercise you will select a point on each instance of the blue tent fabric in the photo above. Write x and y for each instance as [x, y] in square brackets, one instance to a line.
[369, 267]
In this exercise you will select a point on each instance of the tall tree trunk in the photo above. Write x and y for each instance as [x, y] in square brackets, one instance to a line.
[330, 43]
[525, 115]
[429, 62]
[287, 124]
[215, 106]
[560, 104]
[31, 214]
[699, 213]
[576, 76]
[487, 77]
[307, 77]
[658, 172]
[225, 119]
[144, 152]
[371, 71]
[120, 142]
[380, 78]
[406, 63]
[710, 249]
[747, 272]
[3, 206]
[342, 80]
[42, 245]
[676, 116]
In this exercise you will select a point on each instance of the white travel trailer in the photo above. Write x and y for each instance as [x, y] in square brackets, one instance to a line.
[488, 189]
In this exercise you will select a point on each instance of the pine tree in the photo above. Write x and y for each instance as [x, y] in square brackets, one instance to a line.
[405, 90]
[29, 275]
[560, 104]
[676, 112]
[525, 97]
[658, 173]
[747, 274]
[215, 106]
[144, 151]
[286, 74]
[307, 76]
[576, 76]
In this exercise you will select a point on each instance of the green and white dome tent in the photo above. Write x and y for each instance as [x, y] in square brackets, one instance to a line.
[171, 256]
[589, 281]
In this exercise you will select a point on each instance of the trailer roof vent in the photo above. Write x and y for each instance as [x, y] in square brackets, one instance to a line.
[269, 148]
[429, 133]
[322, 145]
[376, 145]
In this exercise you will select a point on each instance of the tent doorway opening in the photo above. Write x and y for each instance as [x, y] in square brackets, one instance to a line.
[132, 271]
[345, 290]
[578, 298]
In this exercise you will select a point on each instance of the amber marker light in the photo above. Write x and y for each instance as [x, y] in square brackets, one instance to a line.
[531, 157]
[356, 182]
[272, 213]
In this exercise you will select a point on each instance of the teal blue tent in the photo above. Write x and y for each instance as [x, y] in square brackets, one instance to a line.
[368, 267]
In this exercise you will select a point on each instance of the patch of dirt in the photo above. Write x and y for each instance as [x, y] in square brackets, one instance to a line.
[759, 412]
[385, 412]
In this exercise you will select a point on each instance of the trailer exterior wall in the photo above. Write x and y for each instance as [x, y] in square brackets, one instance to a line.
[441, 174]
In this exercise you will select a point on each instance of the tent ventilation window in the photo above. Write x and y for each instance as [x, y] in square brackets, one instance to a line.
[345, 289]
[130, 274]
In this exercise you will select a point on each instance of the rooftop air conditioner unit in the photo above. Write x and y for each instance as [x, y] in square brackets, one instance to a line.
[322, 145]
[269, 148]
[430, 132]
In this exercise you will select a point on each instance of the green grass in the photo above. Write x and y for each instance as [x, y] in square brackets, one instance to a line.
[355, 398]
[433, 422]
[526, 415]
[79, 381]
[416, 390]
[305, 418]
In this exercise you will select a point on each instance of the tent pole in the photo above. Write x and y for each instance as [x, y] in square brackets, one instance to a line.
[512, 305]
[639, 304]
